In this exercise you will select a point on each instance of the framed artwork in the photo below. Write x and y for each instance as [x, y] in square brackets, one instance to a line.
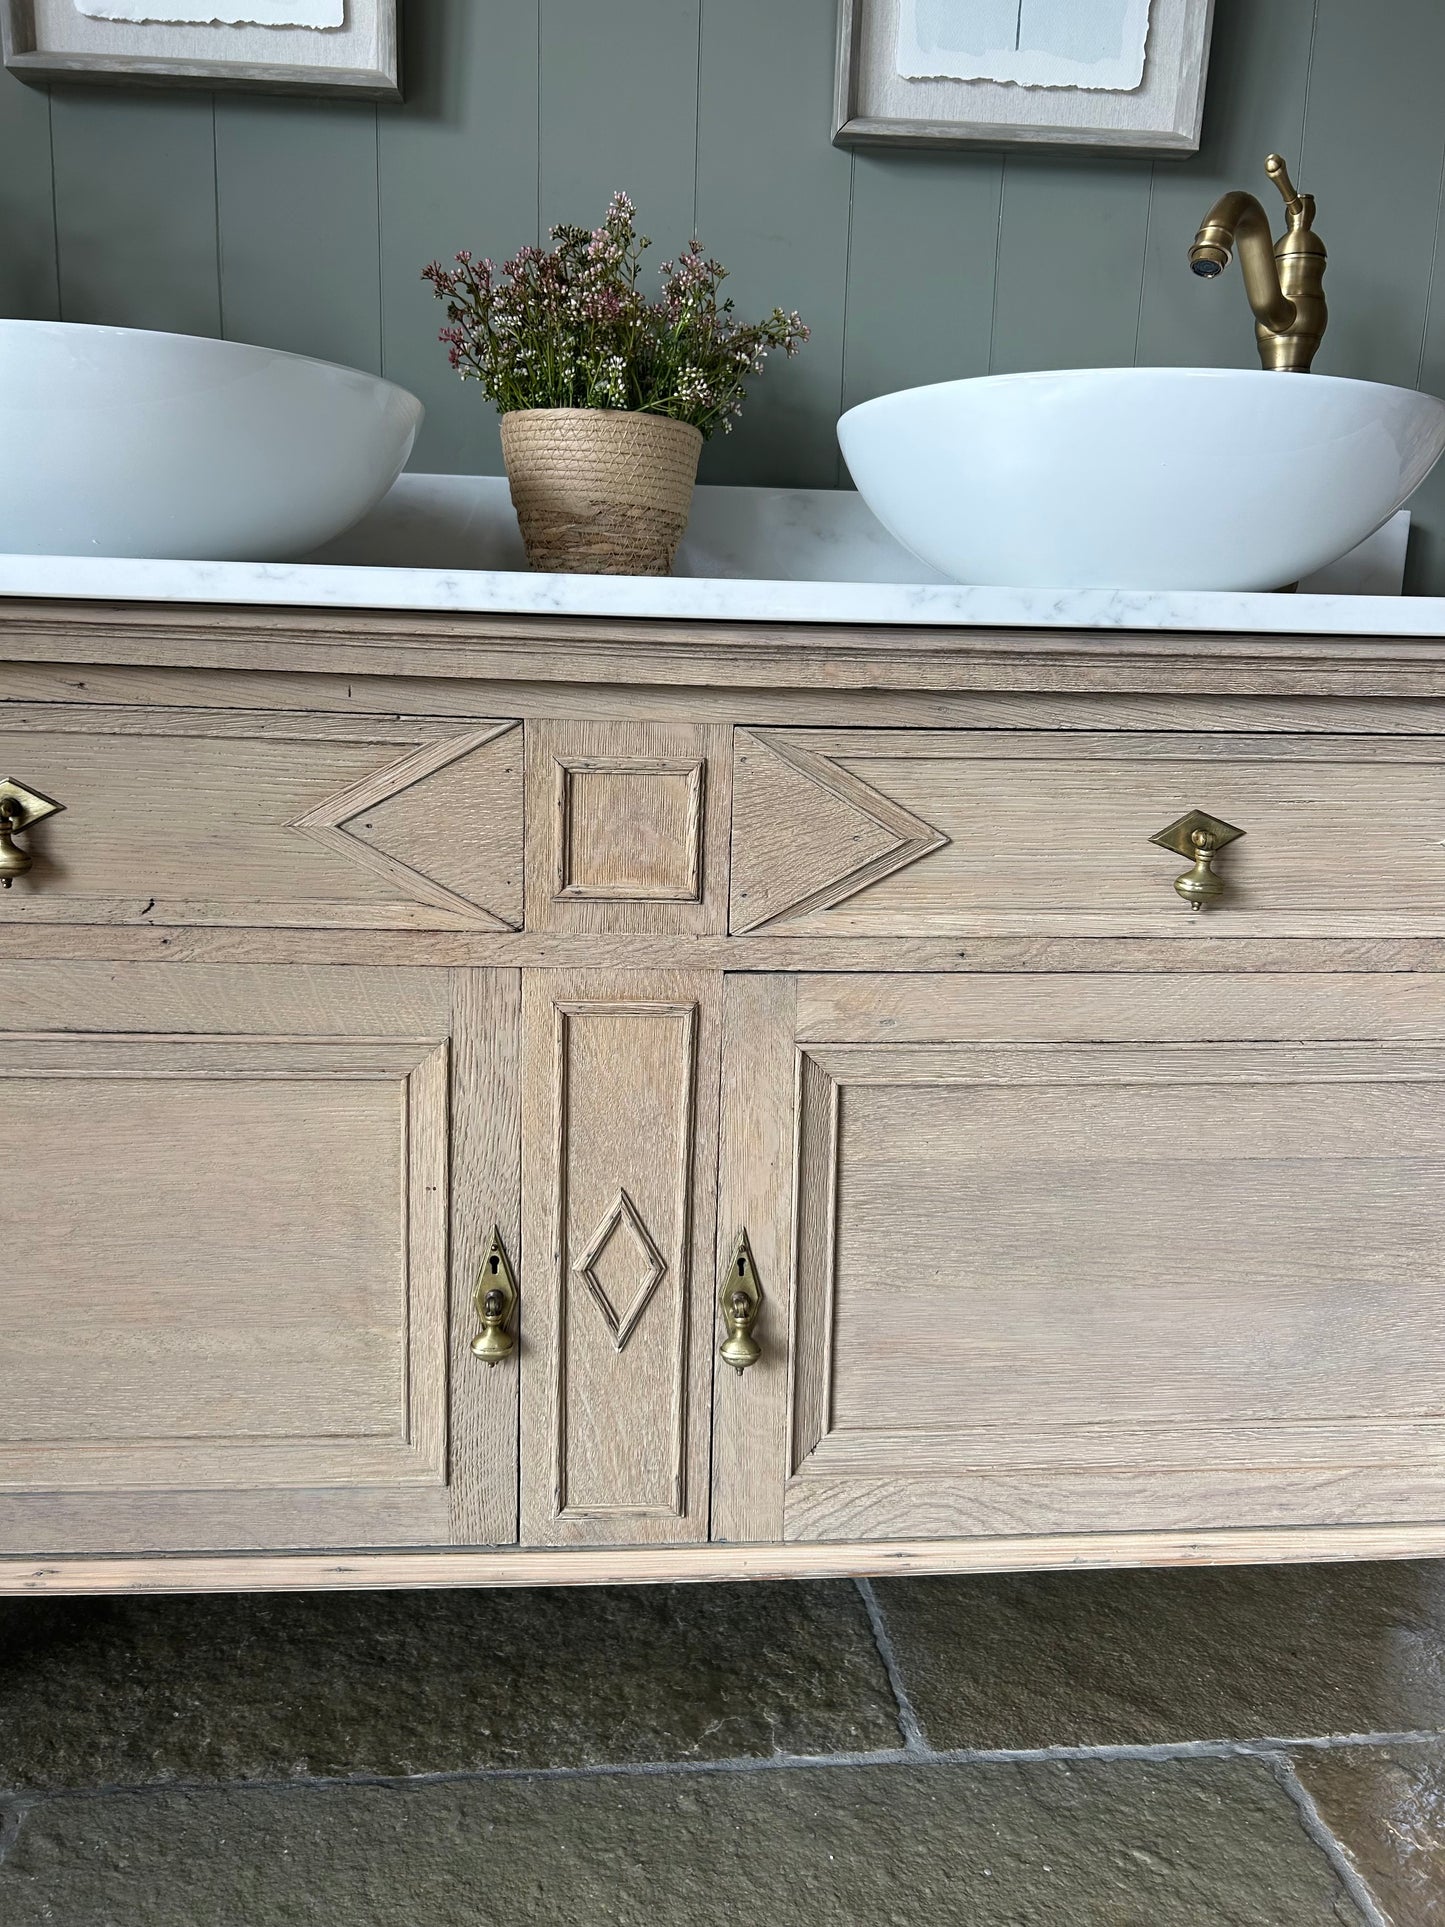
[269, 46]
[1121, 76]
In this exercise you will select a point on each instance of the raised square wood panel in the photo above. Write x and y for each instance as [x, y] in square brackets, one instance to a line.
[1113, 1281]
[619, 1171]
[859, 832]
[227, 1284]
[627, 827]
[282, 820]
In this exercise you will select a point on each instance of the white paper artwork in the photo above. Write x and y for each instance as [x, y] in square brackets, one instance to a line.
[1094, 44]
[219, 13]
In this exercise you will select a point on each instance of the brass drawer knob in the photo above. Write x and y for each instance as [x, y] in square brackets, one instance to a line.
[496, 1301]
[1199, 837]
[741, 1300]
[19, 809]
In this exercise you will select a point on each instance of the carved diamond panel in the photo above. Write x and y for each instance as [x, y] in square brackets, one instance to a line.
[652, 1268]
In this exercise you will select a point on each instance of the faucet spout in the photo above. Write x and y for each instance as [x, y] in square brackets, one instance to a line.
[1238, 220]
[1283, 280]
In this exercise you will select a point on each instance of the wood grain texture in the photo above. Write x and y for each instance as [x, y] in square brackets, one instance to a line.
[619, 1170]
[1013, 833]
[809, 833]
[1048, 1287]
[627, 827]
[293, 819]
[727, 656]
[981, 1131]
[1116, 1006]
[139, 686]
[249, 1296]
[1190, 952]
[486, 1180]
[750, 1447]
[651, 1565]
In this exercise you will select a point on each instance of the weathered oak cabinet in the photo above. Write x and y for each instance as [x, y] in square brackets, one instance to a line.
[1088, 1229]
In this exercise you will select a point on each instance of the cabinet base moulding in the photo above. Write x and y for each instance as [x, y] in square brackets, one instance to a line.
[655, 1565]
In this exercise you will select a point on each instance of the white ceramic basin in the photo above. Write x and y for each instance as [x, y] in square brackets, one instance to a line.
[118, 442]
[1140, 478]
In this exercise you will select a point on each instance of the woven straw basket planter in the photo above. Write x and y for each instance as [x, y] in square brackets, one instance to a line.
[600, 490]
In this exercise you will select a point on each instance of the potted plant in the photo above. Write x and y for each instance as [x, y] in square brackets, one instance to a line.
[606, 397]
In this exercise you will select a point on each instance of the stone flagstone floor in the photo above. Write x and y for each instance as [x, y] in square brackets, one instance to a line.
[1245, 1748]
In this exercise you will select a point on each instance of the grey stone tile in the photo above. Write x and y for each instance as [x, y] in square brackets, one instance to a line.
[131, 1692]
[1386, 1807]
[1230, 1653]
[1196, 1844]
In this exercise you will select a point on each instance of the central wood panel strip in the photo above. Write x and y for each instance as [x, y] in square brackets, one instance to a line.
[620, 1073]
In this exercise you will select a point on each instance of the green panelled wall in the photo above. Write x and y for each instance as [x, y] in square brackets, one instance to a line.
[305, 224]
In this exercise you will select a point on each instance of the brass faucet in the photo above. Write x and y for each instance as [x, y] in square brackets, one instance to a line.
[1284, 280]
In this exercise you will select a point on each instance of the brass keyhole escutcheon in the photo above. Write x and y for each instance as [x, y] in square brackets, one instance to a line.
[740, 1299]
[1200, 837]
[19, 809]
[496, 1301]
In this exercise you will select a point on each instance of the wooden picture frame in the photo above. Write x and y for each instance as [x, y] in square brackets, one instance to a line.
[45, 40]
[877, 107]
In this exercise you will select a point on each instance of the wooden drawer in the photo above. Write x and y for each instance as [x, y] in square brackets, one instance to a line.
[1015, 833]
[281, 819]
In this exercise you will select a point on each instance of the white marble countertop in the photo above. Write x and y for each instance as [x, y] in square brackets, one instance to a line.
[450, 544]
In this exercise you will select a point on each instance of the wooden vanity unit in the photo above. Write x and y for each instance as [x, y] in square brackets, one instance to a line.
[810, 991]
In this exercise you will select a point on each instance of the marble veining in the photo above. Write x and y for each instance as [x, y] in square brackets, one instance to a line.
[450, 544]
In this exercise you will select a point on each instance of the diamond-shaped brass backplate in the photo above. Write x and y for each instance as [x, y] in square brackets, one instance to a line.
[33, 807]
[1177, 836]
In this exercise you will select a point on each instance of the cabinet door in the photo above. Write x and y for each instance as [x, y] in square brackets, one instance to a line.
[1085, 1254]
[240, 1239]
[619, 1180]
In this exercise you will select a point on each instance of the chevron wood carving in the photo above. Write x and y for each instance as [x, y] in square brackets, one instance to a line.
[443, 825]
[808, 833]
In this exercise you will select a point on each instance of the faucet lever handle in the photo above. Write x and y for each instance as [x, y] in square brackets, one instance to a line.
[1299, 208]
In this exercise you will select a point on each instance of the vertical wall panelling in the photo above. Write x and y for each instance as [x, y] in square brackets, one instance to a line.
[1425, 564]
[617, 100]
[457, 168]
[1254, 103]
[307, 223]
[1071, 255]
[772, 202]
[920, 270]
[1375, 91]
[135, 208]
[296, 202]
[28, 285]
